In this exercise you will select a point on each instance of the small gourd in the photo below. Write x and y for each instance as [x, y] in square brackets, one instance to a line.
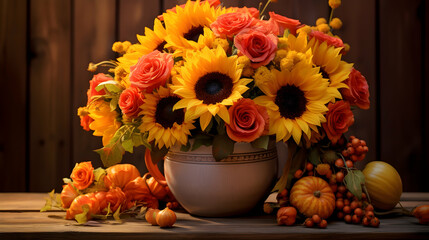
[166, 218]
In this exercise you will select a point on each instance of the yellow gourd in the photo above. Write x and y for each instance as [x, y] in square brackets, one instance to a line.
[383, 183]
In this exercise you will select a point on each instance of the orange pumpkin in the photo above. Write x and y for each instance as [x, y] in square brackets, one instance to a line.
[313, 195]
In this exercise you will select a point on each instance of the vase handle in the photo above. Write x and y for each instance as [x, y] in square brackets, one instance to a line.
[153, 169]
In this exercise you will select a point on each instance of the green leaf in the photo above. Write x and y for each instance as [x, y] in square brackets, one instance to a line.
[111, 86]
[140, 139]
[261, 142]
[114, 103]
[99, 174]
[128, 145]
[185, 148]
[158, 154]
[354, 181]
[314, 156]
[81, 218]
[111, 155]
[223, 146]
[201, 139]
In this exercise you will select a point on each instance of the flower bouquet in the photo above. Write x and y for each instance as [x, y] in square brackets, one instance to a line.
[214, 76]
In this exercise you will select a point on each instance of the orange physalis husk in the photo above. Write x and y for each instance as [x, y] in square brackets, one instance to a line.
[68, 194]
[120, 174]
[76, 206]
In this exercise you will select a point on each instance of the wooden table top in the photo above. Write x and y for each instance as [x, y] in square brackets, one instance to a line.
[20, 218]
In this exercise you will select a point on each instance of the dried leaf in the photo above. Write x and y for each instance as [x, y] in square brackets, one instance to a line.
[81, 218]
[116, 215]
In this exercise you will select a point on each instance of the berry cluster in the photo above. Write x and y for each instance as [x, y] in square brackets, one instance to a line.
[356, 150]
[353, 210]
[314, 221]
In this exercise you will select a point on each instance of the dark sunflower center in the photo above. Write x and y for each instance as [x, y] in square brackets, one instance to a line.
[324, 73]
[213, 87]
[165, 115]
[194, 33]
[291, 101]
[161, 46]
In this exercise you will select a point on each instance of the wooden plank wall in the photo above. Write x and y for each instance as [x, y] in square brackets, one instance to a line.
[46, 45]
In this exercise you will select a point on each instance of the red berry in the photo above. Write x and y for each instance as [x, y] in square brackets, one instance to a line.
[338, 194]
[339, 204]
[345, 153]
[323, 224]
[340, 215]
[309, 167]
[339, 162]
[349, 163]
[349, 195]
[369, 208]
[310, 173]
[351, 150]
[354, 205]
[375, 222]
[342, 189]
[362, 143]
[348, 218]
[365, 221]
[347, 210]
[346, 202]
[369, 214]
[359, 150]
[333, 187]
[308, 222]
[316, 219]
[298, 173]
[355, 142]
[358, 212]
[356, 219]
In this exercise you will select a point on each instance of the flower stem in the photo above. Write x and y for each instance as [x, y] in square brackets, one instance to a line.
[265, 7]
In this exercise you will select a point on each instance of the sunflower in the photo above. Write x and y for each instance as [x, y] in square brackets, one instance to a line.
[328, 58]
[165, 125]
[292, 50]
[295, 101]
[208, 82]
[105, 123]
[189, 27]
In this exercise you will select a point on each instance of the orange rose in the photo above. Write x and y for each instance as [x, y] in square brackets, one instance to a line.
[248, 121]
[284, 23]
[120, 174]
[68, 194]
[322, 37]
[94, 82]
[229, 24]
[116, 198]
[338, 120]
[130, 101]
[151, 71]
[259, 47]
[358, 92]
[79, 201]
[82, 175]
[138, 190]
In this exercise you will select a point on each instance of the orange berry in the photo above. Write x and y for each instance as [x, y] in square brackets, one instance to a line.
[309, 167]
[354, 205]
[308, 222]
[355, 142]
[340, 215]
[347, 210]
[339, 176]
[359, 150]
[351, 150]
[349, 195]
[329, 174]
[354, 158]
[339, 204]
[310, 173]
[338, 194]
[346, 202]
[345, 153]
[323, 224]
[375, 222]
[316, 219]
[298, 173]
[365, 149]
[358, 212]
[365, 221]
[339, 162]
[361, 157]
[369, 214]
[356, 219]
[342, 189]
[362, 143]
[349, 163]
[351, 138]
[369, 208]
[348, 218]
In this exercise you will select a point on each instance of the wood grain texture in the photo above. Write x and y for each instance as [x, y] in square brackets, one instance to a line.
[401, 95]
[13, 99]
[93, 37]
[50, 83]
[359, 32]
[51, 225]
